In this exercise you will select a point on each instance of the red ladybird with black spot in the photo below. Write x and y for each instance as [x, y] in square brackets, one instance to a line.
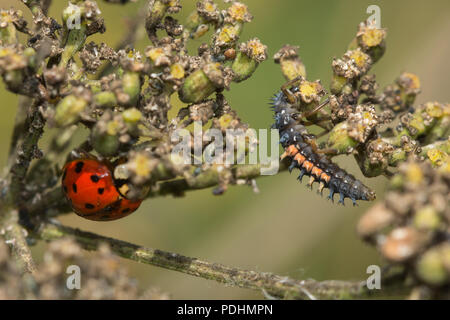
[91, 189]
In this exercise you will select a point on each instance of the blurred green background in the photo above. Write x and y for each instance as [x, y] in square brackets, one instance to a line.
[285, 229]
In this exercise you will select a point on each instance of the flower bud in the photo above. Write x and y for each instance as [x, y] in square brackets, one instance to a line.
[8, 34]
[156, 11]
[131, 85]
[226, 36]
[202, 82]
[196, 87]
[371, 40]
[249, 56]
[105, 99]
[132, 115]
[400, 96]
[291, 64]
[337, 84]
[105, 143]
[374, 220]
[401, 244]
[427, 218]
[68, 110]
[437, 157]
[430, 268]
[353, 64]
[339, 138]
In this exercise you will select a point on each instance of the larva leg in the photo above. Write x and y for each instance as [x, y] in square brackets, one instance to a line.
[312, 142]
[328, 151]
[330, 196]
[302, 173]
[341, 199]
[324, 124]
[287, 92]
[315, 110]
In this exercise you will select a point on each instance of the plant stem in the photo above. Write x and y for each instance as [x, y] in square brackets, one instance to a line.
[54, 199]
[15, 237]
[268, 283]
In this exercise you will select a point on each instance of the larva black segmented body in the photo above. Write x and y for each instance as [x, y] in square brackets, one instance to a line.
[303, 154]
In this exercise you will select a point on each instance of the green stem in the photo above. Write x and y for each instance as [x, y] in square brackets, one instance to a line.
[271, 284]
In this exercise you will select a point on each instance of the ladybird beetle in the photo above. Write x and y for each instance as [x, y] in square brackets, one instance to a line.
[92, 191]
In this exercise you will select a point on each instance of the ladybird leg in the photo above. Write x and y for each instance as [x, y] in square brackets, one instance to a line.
[354, 202]
[287, 92]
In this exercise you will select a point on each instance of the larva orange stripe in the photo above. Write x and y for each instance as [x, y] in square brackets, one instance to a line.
[325, 177]
[299, 158]
[308, 165]
[316, 171]
[291, 150]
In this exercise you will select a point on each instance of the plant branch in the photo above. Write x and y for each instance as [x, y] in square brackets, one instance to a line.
[268, 283]
[27, 151]
[19, 124]
[20, 160]
[55, 200]
[15, 237]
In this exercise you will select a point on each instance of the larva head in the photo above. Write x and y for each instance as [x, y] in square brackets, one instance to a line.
[282, 120]
[358, 191]
[368, 194]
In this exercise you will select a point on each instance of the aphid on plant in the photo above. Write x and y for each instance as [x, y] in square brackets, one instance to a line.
[301, 149]
[92, 191]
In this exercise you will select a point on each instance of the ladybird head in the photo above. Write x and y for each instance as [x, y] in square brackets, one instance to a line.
[77, 154]
[122, 180]
[130, 191]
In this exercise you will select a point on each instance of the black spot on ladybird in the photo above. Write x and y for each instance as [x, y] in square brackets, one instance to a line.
[100, 190]
[79, 166]
[95, 178]
[89, 206]
[126, 210]
[74, 187]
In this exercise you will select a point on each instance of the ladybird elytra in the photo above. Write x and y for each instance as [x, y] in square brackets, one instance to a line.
[90, 188]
